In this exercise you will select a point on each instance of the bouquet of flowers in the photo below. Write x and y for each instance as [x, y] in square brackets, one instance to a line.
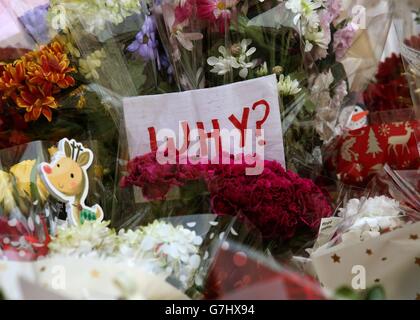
[364, 244]
[94, 178]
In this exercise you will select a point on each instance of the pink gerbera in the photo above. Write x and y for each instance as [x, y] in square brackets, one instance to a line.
[217, 11]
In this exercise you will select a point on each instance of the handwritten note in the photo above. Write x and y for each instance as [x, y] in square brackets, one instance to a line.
[239, 108]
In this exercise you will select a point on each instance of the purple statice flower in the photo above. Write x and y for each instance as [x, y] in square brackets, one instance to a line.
[35, 22]
[145, 44]
[343, 39]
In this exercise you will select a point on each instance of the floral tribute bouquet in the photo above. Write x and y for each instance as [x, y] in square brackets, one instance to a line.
[282, 205]
[71, 66]
[25, 210]
[303, 42]
[407, 24]
[239, 273]
[45, 97]
[374, 238]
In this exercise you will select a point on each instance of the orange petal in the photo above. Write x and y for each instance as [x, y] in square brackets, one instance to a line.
[47, 113]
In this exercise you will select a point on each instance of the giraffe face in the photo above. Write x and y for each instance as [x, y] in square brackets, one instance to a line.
[66, 176]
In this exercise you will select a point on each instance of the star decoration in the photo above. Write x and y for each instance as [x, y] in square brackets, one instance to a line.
[413, 237]
[369, 252]
[417, 261]
[94, 274]
[336, 259]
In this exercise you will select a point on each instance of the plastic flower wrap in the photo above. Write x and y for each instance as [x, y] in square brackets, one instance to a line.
[390, 91]
[31, 82]
[312, 46]
[93, 14]
[279, 203]
[26, 214]
[159, 247]
[373, 216]
[378, 233]
[407, 24]
[241, 273]
[180, 250]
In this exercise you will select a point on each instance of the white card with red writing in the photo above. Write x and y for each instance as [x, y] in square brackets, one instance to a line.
[253, 104]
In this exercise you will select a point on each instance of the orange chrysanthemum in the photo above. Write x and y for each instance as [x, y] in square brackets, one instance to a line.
[12, 78]
[51, 65]
[32, 81]
[36, 102]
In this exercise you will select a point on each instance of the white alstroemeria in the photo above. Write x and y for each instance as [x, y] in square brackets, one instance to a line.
[224, 63]
[302, 8]
[244, 57]
[316, 37]
[262, 70]
[287, 86]
[370, 217]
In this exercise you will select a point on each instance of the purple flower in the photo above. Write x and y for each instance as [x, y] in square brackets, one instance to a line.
[343, 39]
[164, 63]
[35, 22]
[146, 44]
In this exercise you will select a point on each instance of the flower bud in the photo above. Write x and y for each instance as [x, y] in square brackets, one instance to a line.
[277, 70]
[235, 49]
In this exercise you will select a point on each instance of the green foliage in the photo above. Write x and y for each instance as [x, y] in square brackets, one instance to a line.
[373, 293]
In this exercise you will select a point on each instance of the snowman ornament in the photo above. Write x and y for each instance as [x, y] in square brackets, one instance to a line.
[353, 118]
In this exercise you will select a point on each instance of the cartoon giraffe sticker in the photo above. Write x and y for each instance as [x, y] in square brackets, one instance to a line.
[66, 179]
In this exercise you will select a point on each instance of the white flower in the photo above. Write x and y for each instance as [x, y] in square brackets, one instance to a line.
[93, 14]
[263, 70]
[224, 63]
[307, 13]
[160, 247]
[316, 37]
[243, 59]
[287, 86]
[227, 62]
[92, 238]
[302, 8]
[171, 250]
[370, 216]
[88, 66]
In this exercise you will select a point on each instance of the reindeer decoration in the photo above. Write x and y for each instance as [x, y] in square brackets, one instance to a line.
[402, 140]
[66, 179]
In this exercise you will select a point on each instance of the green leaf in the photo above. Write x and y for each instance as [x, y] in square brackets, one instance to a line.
[375, 293]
